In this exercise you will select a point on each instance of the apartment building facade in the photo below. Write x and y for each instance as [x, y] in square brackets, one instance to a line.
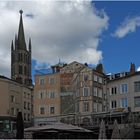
[14, 98]
[90, 94]
[57, 93]
[80, 92]
[123, 91]
[67, 86]
[46, 98]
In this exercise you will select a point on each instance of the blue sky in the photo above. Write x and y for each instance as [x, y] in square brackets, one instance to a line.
[83, 31]
[118, 53]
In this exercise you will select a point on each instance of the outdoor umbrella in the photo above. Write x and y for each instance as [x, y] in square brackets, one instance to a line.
[20, 126]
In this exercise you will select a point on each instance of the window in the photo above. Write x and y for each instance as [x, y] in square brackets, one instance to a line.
[24, 94]
[85, 106]
[21, 57]
[100, 80]
[42, 110]
[51, 95]
[12, 111]
[100, 93]
[28, 59]
[12, 98]
[28, 95]
[25, 58]
[28, 117]
[24, 105]
[137, 101]
[42, 94]
[20, 69]
[124, 102]
[124, 88]
[137, 86]
[52, 110]
[86, 92]
[28, 106]
[25, 117]
[85, 77]
[95, 91]
[42, 81]
[95, 78]
[100, 107]
[94, 107]
[77, 93]
[25, 70]
[51, 81]
[13, 72]
[77, 107]
[17, 110]
[18, 56]
[113, 90]
[113, 104]
[13, 57]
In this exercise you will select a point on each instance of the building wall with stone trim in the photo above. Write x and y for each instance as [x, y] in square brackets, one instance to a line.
[13, 100]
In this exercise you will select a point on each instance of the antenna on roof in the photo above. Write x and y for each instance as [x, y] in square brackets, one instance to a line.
[59, 61]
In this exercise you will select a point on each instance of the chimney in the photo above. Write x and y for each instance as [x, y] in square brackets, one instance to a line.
[132, 68]
[99, 68]
[86, 64]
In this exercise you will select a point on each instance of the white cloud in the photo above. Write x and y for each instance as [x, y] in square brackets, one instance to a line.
[129, 25]
[69, 30]
[40, 66]
[138, 69]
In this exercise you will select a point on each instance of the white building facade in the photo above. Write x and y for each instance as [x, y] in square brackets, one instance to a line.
[124, 92]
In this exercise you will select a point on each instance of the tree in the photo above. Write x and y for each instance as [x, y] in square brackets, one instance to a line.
[20, 126]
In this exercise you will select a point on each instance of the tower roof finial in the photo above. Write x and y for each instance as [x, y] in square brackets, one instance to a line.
[21, 38]
[21, 11]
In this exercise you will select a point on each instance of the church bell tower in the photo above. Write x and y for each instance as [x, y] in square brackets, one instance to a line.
[21, 57]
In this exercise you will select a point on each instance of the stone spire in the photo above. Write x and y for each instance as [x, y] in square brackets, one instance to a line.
[21, 57]
[21, 38]
[12, 46]
[16, 42]
[30, 46]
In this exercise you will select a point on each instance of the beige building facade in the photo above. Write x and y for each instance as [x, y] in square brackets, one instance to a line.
[14, 98]
[79, 91]
[46, 98]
